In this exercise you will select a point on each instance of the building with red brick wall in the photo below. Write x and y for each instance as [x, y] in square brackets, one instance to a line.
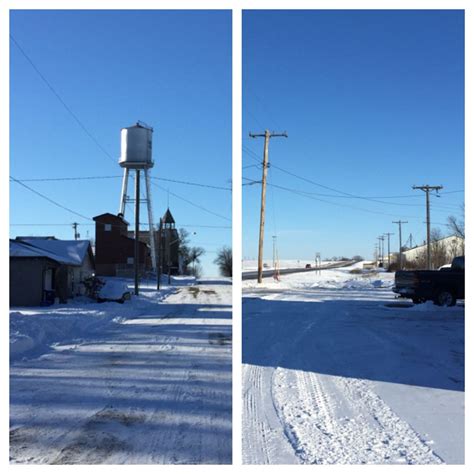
[115, 250]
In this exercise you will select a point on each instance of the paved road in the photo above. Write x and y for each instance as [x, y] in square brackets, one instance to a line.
[286, 271]
[152, 389]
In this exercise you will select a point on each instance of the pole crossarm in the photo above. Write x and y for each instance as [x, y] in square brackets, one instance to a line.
[270, 134]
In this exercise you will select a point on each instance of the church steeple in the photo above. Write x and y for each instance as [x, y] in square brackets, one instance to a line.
[168, 220]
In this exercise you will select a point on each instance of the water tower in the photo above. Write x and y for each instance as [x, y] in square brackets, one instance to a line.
[136, 155]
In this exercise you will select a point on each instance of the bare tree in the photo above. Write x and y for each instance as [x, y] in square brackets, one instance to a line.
[190, 256]
[224, 261]
[439, 252]
[195, 253]
[456, 225]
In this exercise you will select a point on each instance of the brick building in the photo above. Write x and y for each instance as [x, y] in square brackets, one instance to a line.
[115, 249]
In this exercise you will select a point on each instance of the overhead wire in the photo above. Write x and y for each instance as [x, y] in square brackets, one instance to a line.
[49, 199]
[198, 206]
[61, 100]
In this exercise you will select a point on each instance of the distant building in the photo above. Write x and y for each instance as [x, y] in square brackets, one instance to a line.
[43, 268]
[115, 250]
[442, 251]
[167, 248]
[169, 244]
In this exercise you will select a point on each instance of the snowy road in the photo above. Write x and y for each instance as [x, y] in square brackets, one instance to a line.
[154, 387]
[334, 375]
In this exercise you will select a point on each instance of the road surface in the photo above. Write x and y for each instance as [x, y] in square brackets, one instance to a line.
[154, 388]
[338, 372]
[253, 275]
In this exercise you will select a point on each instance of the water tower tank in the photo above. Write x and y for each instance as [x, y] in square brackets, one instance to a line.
[136, 147]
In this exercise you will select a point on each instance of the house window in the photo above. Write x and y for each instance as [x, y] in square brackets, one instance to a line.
[129, 260]
[107, 227]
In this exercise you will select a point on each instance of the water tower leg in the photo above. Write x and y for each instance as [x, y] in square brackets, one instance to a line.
[150, 220]
[123, 196]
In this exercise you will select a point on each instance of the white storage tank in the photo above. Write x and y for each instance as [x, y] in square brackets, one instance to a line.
[136, 147]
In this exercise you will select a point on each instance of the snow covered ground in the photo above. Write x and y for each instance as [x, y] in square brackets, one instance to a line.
[338, 371]
[145, 382]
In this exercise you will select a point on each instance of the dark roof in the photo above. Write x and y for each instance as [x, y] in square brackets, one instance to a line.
[109, 216]
[168, 217]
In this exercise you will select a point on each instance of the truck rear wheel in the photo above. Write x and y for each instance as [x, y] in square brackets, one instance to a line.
[445, 298]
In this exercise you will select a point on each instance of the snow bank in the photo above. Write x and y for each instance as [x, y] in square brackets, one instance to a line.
[34, 330]
[32, 333]
[350, 278]
[251, 265]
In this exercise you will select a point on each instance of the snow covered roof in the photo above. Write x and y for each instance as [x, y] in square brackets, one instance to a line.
[19, 249]
[68, 252]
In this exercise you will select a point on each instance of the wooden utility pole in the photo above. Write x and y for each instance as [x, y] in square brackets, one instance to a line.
[400, 255]
[426, 189]
[267, 135]
[381, 239]
[76, 234]
[160, 255]
[388, 234]
[274, 254]
[137, 228]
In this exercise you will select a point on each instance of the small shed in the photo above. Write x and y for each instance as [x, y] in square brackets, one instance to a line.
[42, 268]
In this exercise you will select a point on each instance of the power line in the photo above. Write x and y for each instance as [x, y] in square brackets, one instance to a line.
[253, 155]
[85, 178]
[91, 224]
[301, 193]
[49, 199]
[327, 187]
[61, 100]
[190, 183]
[198, 206]
[76, 178]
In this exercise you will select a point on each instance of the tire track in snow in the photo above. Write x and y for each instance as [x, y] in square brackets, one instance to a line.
[263, 440]
[361, 429]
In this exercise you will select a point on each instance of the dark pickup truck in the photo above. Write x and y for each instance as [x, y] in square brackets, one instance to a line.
[443, 286]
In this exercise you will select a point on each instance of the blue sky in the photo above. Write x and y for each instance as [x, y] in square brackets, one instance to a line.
[170, 69]
[373, 103]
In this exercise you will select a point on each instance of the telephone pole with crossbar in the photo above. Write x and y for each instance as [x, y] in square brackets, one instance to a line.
[427, 189]
[267, 135]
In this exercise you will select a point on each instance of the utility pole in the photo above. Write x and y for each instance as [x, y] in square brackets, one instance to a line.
[317, 258]
[76, 234]
[400, 255]
[267, 135]
[381, 239]
[426, 189]
[388, 234]
[160, 254]
[274, 255]
[137, 228]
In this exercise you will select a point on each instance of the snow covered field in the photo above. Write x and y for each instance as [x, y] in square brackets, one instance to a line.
[338, 371]
[145, 382]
